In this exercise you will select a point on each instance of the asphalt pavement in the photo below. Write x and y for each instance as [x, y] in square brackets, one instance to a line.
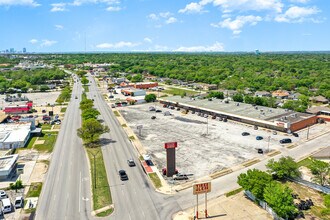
[66, 191]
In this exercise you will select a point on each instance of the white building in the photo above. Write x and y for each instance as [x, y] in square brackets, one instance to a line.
[14, 135]
[7, 164]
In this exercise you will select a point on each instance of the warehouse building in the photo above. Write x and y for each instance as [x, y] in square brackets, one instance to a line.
[7, 165]
[16, 135]
[272, 118]
[133, 92]
[19, 109]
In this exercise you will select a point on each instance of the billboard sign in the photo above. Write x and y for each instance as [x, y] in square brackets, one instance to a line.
[200, 188]
[170, 145]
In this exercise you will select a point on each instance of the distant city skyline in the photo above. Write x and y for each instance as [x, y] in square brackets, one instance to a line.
[178, 26]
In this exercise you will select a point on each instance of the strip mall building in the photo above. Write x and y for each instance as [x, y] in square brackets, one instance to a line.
[271, 118]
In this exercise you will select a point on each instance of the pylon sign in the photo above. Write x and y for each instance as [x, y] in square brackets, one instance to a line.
[170, 158]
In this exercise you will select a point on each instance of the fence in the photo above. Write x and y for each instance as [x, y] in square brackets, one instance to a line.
[315, 186]
[263, 204]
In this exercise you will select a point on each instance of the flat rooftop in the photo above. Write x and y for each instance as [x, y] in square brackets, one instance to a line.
[7, 161]
[240, 109]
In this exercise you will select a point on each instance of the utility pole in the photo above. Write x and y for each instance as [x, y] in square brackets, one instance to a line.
[268, 143]
[307, 132]
[94, 155]
[207, 125]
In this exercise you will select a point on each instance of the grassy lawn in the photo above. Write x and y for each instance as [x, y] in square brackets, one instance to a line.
[131, 138]
[116, 113]
[105, 213]
[46, 126]
[124, 125]
[31, 142]
[63, 109]
[49, 138]
[101, 194]
[177, 91]
[34, 190]
[86, 88]
[234, 192]
[305, 162]
[155, 179]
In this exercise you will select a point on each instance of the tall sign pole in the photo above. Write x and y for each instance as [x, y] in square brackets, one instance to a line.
[200, 188]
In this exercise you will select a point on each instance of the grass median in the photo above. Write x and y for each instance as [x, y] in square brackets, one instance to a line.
[155, 179]
[100, 187]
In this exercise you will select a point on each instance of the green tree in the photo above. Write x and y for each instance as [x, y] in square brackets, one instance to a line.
[320, 170]
[255, 181]
[90, 113]
[84, 80]
[283, 168]
[91, 131]
[218, 95]
[43, 88]
[238, 97]
[280, 199]
[137, 78]
[81, 73]
[248, 99]
[86, 104]
[150, 98]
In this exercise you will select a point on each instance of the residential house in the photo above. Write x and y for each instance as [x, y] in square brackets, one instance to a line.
[210, 87]
[294, 96]
[319, 99]
[282, 94]
[262, 94]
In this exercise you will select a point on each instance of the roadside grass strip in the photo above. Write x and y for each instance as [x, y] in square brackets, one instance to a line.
[305, 162]
[35, 189]
[49, 139]
[274, 153]
[234, 192]
[105, 213]
[155, 180]
[251, 162]
[100, 188]
[221, 173]
[116, 113]
[63, 109]
[86, 88]
[292, 146]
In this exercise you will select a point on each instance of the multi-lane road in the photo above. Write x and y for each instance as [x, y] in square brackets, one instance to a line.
[66, 192]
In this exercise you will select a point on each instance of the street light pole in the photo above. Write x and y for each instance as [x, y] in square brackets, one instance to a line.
[268, 143]
[207, 125]
[307, 131]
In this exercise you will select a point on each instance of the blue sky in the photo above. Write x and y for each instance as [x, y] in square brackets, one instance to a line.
[164, 25]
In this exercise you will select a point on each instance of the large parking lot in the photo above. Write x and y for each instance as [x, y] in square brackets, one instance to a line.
[205, 145]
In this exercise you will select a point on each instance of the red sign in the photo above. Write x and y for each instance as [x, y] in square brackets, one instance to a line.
[171, 145]
[199, 188]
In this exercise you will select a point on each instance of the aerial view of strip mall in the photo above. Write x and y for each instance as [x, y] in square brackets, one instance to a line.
[164, 110]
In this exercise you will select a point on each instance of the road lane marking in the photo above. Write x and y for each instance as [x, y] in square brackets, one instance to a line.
[79, 190]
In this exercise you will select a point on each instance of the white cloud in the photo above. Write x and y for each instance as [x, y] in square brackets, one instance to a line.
[47, 43]
[212, 48]
[171, 20]
[111, 8]
[59, 27]
[192, 8]
[147, 39]
[165, 14]
[82, 2]
[160, 48]
[19, 2]
[33, 41]
[117, 45]
[297, 14]
[56, 7]
[153, 16]
[239, 22]
[299, 1]
[249, 5]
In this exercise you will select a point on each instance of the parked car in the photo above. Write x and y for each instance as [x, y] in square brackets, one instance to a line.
[192, 112]
[260, 151]
[295, 134]
[178, 109]
[245, 134]
[259, 138]
[151, 108]
[172, 107]
[3, 194]
[43, 111]
[180, 176]
[123, 175]
[285, 141]
[214, 117]
[113, 106]
[6, 205]
[255, 127]
[225, 120]
[153, 117]
[131, 162]
[76, 97]
[164, 106]
[158, 110]
[274, 133]
[19, 202]
[206, 116]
